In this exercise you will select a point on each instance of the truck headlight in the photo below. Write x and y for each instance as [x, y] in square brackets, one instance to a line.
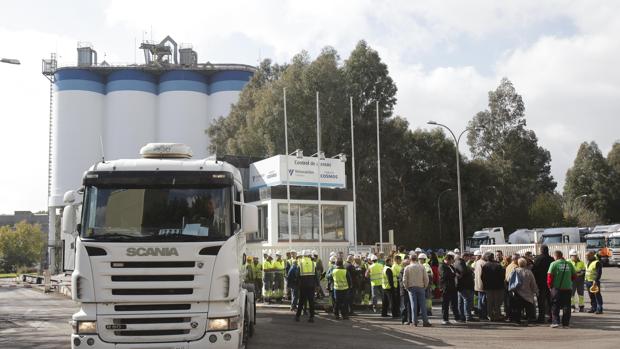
[84, 327]
[223, 324]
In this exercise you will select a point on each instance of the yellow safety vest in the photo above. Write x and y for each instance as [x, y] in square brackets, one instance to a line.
[307, 267]
[396, 268]
[385, 280]
[591, 274]
[267, 265]
[579, 266]
[340, 279]
[279, 266]
[258, 271]
[375, 274]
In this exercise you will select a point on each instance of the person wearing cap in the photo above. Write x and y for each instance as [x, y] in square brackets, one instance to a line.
[375, 274]
[268, 277]
[308, 283]
[578, 284]
[423, 260]
[416, 281]
[279, 267]
[594, 270]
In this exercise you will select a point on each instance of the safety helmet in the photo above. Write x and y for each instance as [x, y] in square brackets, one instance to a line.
[422, 256]
[594, 289]
[572, 252]
[418, 250]
[412, 253]
[477, 253]
[332, 253]
[374, 258]
[278, 253]
[456, 250]
[332, 259]
[450, 253]
[440, 251]
[314, 253]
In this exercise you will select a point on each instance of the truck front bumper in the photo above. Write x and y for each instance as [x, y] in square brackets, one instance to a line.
[224, 339]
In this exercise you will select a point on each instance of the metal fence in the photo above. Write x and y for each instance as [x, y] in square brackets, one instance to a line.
[521, 249]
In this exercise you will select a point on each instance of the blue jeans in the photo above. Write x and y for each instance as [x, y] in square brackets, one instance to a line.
[596, 299]
[294, 297]
[482, 305]
[417, 298]
[377, 293]
[466, 301]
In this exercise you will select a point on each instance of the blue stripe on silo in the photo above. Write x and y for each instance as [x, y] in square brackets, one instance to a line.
[180, 80]
[80, 80]
[232, 80]
[131, 80]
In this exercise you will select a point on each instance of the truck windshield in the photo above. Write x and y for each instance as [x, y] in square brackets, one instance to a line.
[552, 239]
[157, 214]
[595, 243]
[614, 242]
[476, 242]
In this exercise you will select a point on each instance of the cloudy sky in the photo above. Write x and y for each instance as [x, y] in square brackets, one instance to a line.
[562, 57]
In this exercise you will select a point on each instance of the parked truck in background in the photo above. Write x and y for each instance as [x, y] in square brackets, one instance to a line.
[598, 242]
[614, 245]
[486, 236]
[564, 235]
[160, 253]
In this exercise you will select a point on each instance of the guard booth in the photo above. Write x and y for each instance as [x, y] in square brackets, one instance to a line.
[267, 189]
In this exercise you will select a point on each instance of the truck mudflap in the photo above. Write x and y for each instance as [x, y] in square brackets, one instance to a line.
[225, 339]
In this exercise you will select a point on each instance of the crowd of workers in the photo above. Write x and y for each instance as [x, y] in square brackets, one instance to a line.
[472, 286]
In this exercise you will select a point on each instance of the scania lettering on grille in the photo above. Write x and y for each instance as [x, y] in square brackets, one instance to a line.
[152, 251]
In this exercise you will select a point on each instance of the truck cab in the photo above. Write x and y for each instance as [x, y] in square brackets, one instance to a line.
[486, 236]
[613, 243]
[565, 235]
[160, 253]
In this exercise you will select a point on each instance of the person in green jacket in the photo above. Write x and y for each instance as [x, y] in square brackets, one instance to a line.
[560, 279]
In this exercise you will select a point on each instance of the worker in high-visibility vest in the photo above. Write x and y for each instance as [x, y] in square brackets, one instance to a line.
[578, 283]
[396, 268]
[308, 283]
[423, 259]
[257, 269]
[279, 267]
[388, 284]
[594, 270]
[341, 284]
[268, 275]
[374, 273]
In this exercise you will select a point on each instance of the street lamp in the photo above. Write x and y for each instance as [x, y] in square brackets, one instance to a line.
[10, 61]
[439, 208]
[457, 140]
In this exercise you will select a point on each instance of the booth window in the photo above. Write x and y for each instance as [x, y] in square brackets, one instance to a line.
[305, 222]
[263, 226]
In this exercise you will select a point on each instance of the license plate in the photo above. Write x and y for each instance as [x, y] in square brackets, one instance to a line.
[116, 327]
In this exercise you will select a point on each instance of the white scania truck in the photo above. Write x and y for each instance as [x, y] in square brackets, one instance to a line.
[160, 253]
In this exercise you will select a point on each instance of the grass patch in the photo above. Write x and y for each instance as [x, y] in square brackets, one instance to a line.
[5, 276]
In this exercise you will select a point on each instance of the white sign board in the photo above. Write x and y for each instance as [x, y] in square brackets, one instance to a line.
[301, 172]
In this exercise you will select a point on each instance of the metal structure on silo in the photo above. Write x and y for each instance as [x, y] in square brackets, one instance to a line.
[102, 109]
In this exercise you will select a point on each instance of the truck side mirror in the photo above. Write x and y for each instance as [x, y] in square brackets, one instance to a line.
[78, 228]
[249, 219]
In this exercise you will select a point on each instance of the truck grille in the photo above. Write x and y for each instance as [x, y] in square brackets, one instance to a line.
[152, 307]
[141, 278]
[150, 291]
[156, 328]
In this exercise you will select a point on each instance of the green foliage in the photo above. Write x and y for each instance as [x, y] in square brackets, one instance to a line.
[546, 211]
[577, 213]
[591, 176]
[20, 246]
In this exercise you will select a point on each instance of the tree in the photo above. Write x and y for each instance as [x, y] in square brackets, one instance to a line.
[613, 160]
[546, 211]
[590, 175]
[20, 246]
[491, 127]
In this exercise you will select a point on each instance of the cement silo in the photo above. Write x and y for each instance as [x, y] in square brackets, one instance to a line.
[130, 112]
[182, 110]
[224, 87]
[79, 100]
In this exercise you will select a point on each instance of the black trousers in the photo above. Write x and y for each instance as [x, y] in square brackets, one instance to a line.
[517, 304]
[342, 300]
[386, 302]
[450, 301]
[544, 303]
[561, 301]
[306, 294]
[405, 308]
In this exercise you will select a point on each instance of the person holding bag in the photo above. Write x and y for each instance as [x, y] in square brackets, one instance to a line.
[560, 279]
[522, 289]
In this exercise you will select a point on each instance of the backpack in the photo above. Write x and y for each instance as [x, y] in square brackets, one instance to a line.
[515, 281]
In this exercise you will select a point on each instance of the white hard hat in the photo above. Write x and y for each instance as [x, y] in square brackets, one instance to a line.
[373, 258]
[418, 250]
[451, 254]
[314, 252]
[332, 259]
[412, 253]
[278, 253]
[572, 252]
[332, 253]
[422, 256]
[456, 250]
[477, 253]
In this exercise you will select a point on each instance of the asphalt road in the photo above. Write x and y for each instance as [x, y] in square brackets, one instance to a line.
[31, 319]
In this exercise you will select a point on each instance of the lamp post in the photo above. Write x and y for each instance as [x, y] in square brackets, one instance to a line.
[379, 182]
[353, 177]
[10, 61]
[457, 140]
[439, 208]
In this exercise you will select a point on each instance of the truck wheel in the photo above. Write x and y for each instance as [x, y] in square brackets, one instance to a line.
[246, 328]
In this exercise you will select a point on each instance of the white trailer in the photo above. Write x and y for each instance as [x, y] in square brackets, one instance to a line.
[486, 236]
[160, 253]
